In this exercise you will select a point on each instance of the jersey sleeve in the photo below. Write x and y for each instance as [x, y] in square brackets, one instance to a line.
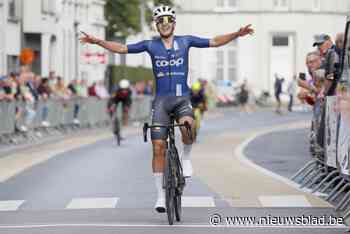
[139, 47]
[198, 42]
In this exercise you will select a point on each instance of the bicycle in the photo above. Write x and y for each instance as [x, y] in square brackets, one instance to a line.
[116, 129]
[115, 125]
[173, 180]
[197, 120]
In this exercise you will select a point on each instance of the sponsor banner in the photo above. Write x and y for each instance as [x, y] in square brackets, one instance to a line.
[343, 146]
[331, 127]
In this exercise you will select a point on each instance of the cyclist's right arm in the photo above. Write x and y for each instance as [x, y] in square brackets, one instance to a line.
[115, 47]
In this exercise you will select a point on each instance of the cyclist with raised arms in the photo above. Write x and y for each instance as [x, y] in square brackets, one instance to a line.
[169, 55]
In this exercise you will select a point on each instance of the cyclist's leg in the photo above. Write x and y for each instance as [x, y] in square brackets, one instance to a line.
[159, 135]
[125, 107]
[184, 113]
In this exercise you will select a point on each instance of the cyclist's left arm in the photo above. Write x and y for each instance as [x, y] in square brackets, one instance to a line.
[224, 39]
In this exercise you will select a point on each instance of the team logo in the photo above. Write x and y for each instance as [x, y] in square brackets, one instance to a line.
[174, 62]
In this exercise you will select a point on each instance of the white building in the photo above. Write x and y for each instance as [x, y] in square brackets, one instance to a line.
[10, 41]
[51, 28]
[284, 33]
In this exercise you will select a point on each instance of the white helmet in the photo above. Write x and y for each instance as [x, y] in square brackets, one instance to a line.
[163, 11]
[124, 84]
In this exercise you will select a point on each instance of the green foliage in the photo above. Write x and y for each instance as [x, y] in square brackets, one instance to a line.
[134, 74]
[123, 16]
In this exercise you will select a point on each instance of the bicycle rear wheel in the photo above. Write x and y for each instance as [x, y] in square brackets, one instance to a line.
[169, 188]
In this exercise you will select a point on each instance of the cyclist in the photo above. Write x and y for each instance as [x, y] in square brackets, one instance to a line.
[169, 55]
[122, 94]
[198, 102]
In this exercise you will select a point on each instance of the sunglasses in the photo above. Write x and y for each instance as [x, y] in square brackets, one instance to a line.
[165, 20]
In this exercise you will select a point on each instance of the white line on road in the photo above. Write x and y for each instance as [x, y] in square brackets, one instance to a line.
[192, 225]
[93, 203]
[284, 201]
[202, 201]
[10, 205]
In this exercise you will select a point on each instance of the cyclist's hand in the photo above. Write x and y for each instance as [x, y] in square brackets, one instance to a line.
[88, 39]
[245, 31]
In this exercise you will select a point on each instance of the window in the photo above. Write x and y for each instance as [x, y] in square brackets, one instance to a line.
[316, 5]
[281, 5]
[227, 63]
[232, 65]
[280, 41]
[227, 4]
[220, 65]
[12, 63]
[48, 6]
[220, 3]
[13, 10]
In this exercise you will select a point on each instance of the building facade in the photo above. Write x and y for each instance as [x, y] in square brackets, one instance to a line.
[51, 28]
[284, 33]
[10, 29]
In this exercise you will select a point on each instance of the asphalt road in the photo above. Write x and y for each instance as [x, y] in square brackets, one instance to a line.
[102, 188]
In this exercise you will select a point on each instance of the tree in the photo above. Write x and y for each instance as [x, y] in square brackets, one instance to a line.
[123, 16]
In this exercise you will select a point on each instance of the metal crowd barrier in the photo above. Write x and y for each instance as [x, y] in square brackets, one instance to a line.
[7, 119]
[329, 176]
[84, 112]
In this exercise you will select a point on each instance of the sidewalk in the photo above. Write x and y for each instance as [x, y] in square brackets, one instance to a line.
[220, 163]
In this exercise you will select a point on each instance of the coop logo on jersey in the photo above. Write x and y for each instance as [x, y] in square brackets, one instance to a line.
[174, 62]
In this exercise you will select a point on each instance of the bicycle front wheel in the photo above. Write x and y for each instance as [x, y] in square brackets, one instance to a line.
[169, 179]
[178, 208]
[116, 129]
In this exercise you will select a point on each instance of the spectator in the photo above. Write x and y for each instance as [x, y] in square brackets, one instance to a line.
[45, 92]
[92, 90]
[6, 93]
[52, 79]
[243, 97]
[330, 63]
[60, 89]
[83, 91]
[72, 88]
[148, 88]
[24, 94]
[101, 90]
[292, 88]
[339, 44]
[278, 92]
[311, 87]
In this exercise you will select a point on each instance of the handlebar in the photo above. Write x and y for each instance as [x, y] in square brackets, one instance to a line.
[146, 126]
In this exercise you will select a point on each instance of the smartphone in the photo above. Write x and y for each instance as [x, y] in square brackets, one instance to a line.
[302, 76]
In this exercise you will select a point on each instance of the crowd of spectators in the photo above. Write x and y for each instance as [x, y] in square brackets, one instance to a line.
[322, 80]
[27, 89]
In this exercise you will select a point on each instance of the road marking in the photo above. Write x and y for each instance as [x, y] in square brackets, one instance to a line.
[92, 203]
[191, 201]
[10, 205]
[192, 225]
[239, 152]
[284, 201]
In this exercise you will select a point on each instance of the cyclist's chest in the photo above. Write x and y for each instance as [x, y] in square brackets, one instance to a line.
[173, 58]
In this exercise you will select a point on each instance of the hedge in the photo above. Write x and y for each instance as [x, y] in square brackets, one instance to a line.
[134, 74]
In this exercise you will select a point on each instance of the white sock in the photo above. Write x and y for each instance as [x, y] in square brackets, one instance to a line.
[187, 152]
[158, 176]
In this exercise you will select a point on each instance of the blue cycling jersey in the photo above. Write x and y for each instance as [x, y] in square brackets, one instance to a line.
[170, 66]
